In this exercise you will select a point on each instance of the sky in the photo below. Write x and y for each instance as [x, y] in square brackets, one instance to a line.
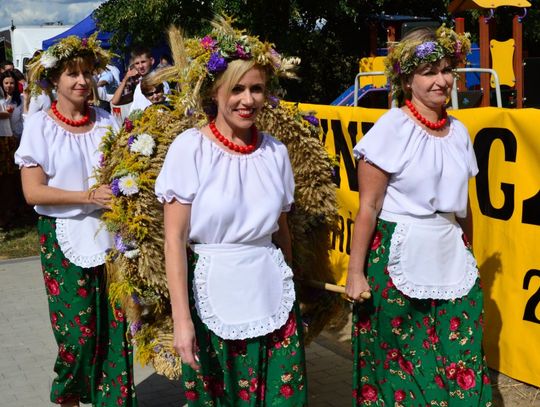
[30, 12]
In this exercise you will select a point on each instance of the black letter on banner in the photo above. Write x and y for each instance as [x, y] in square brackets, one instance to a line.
[482, 146]
[342, 152]
[324, 127]
[530, 308]
[350, 224]
[531, 210]
[336, 176]
[366, 126]
[339, 234]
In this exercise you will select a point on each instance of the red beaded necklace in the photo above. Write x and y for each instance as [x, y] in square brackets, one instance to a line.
[70, 122]
[434, 126]
[233, 146]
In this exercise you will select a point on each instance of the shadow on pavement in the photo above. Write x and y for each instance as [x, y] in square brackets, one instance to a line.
[158, 391]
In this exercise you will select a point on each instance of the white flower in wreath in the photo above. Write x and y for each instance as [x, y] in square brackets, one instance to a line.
[128, 185]
[132, 254]
[144, 144]
[48, 60]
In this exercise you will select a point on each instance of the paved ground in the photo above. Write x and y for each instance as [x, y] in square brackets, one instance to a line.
[27, 352]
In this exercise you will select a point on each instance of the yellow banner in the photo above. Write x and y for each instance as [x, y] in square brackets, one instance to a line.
[505, 200]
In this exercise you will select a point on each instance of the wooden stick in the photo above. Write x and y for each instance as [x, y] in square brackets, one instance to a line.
[324, 286]
[333, 288]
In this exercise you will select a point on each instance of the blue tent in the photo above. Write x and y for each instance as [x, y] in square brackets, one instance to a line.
[84, 28]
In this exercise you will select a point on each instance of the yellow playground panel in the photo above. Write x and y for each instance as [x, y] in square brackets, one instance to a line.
[372, 64]
[502, 56]
[460, 5]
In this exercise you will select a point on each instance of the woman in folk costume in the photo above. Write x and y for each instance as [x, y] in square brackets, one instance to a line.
[233, 194]
[418, 340]
[57, 155]
[226, 189]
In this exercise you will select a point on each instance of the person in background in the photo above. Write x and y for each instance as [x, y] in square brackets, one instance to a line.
[154, 93]
[6, 66]
[417, 321]
[129, 89]
[107, 84]
[9, 177]
[21, 80]
[57, 156]
[164, 61]
[13, 101]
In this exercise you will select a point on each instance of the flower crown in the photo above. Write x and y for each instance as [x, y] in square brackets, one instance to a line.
[202, 60]
[43, 65]
[405, 56]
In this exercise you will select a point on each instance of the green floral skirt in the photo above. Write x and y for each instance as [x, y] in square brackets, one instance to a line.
[95, 362]
[412, 352]
[262, 371]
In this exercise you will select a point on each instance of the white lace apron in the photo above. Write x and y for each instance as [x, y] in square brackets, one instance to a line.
[428, 258]
[242, 290]
[84, 240]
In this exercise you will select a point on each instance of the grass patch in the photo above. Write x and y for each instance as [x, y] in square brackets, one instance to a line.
[18, 241]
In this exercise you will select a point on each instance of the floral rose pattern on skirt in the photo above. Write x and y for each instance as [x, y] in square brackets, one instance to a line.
[94, 363]
[262, 371]
[412, 352]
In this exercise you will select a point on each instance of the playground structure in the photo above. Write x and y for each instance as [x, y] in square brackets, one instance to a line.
[492, 63]
[506, 57]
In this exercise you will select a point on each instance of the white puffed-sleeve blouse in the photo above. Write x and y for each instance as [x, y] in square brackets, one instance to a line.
[68, 159]
[234, 198]
[428, 174]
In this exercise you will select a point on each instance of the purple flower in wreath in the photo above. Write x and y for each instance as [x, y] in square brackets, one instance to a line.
[274, 101]
[101, 160]
[119, 243]
[136, 299]
[217, 63]
[115, 188]
[135, 327]
[44, 83]
[242, 54]
[423, 50]
[275, 57]
[84, 42]
[130, 141]
[312, 120]
[397, 68]
[208, 42]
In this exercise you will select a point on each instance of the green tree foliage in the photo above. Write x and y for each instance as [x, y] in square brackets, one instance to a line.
[329, 36]
[144, 22]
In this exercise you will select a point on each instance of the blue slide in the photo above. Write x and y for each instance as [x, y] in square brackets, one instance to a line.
[347, 97]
